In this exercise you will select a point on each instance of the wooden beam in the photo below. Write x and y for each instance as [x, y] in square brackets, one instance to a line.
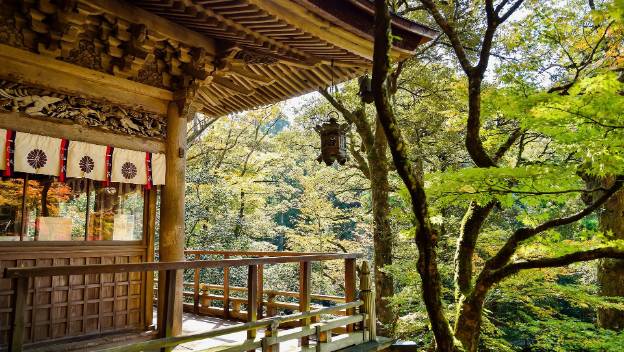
[41, 71]
[228, 84]
[156, 23]
[164, 265]
[297, 15]
[250, 75]
[59, 128]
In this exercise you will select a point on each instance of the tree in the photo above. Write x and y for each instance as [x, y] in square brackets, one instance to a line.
[472, 289]
[375, 167]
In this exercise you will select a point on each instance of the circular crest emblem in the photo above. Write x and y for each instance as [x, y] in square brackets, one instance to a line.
[128, 170]
[37, 158]
[86, 164]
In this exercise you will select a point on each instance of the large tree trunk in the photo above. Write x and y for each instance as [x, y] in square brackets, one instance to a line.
[611, 271]
[382, 233]
[469, 318]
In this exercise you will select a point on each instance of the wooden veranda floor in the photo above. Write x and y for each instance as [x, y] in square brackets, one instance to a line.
[193, 324]
[196, 323]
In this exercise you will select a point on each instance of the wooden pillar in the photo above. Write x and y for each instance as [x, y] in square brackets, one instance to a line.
[260, 291]
[350, 286]
[226, 289]
[150, 215]
[171, 243]
[20, 291]
[305, 284]
[252, 298]
[196, 288]
[367, 295]
[169, 306]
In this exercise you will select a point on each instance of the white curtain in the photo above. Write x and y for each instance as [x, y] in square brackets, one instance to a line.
[85, 160]
[37, 154]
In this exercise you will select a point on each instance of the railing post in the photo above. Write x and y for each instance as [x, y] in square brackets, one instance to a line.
[20, 291]
[168, 306]
[271, 310]
[269, 334]
[367, 295]
[252, 298]
[350, 287]
[196, 288]
[226, 289]
[322, 337]
[305, 283]
[260, 290]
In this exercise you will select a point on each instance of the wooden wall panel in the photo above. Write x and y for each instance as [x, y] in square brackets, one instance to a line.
[66, 306]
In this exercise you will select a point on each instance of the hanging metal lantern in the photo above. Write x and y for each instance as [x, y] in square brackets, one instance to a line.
[333, 142]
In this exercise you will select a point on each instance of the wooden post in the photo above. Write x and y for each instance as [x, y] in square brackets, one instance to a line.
[252, 298]
[171, 243]
[269, 334]
[350, 283]
[150, 212]
[168, 306]
[322, 337]
[260, 290]
[367, 295]
[196, 288]
[305, 283]
[226, 289]
[271, 310]
[20, 291]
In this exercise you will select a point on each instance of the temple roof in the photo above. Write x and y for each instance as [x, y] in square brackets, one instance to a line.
[274, 50]
[233, 55]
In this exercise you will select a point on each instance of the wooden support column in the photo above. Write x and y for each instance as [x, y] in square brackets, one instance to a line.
[305, 283]
[367, 295]
[20, 292]
[168, 306]
[350, 287]
[196, 287]
[171, 244]
[260, 291]
[252, 298]
[226, 289]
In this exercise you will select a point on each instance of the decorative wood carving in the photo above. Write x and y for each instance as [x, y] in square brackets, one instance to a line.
[85, 36]
[15, 97]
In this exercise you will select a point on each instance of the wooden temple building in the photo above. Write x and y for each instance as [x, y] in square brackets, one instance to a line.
[95, 96]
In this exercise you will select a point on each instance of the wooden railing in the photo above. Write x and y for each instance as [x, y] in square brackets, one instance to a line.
[360, 327]
[270, 302]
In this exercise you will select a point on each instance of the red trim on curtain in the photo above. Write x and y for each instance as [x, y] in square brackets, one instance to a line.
[148, 170]
[109, 164]
[9, 150]
[63, 170]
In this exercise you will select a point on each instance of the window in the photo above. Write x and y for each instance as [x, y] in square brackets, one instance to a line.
[39, 208]
[11, 191]
[117, 213]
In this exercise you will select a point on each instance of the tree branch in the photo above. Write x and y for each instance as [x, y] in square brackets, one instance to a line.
[509, 248]
[450, 33]
[503, 148]
[581, 256]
